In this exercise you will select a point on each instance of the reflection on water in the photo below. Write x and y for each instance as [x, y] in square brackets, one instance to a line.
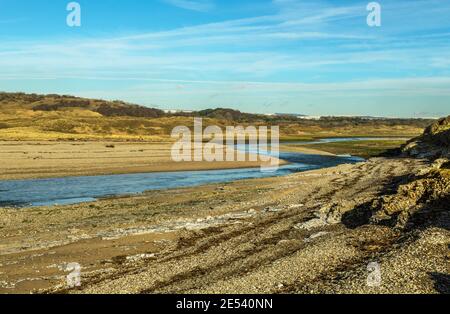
[73, 190]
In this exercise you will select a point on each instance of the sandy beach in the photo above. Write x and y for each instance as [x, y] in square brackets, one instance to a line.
[46, 159]
[224, 155]
[276, 235]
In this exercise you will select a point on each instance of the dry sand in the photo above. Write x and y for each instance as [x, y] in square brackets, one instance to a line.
[31, 160]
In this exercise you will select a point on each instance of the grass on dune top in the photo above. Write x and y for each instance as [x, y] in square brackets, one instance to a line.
[86, 125]
[34, 117]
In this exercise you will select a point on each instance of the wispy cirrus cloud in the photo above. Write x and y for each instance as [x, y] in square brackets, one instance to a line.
[307, 41]
[12, 21]
[193, 5]
[300, 52]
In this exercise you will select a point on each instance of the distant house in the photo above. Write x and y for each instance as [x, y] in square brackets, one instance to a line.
[310, 117]
[173, 111]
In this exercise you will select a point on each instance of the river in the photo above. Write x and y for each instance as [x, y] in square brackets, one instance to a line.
[72, 190]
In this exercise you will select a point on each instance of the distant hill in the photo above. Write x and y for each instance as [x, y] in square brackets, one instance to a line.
[227, 114]
[56, 102]
[117, 108]
[36, 117]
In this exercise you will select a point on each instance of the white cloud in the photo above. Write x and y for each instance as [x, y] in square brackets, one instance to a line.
[320, 43]
[193, 5]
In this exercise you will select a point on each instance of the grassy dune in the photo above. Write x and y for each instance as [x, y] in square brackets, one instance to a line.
[53, 117]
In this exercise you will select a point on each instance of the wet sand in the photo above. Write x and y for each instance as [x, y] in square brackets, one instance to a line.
[303, 150]
[252, 236]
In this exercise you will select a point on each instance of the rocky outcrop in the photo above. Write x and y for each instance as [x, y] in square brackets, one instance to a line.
[427, 193]
[420, 198]
[415, 203]
[433, 144]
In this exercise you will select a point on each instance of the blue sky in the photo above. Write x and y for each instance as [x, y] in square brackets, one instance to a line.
[295, 56]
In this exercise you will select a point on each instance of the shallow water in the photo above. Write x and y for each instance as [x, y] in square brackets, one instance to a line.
[72, 190]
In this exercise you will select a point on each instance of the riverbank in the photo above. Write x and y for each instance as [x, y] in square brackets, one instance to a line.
[301, 149]
[364, 148]
[58, 159]
[78, 189]
[273, 235]
[55, 159]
